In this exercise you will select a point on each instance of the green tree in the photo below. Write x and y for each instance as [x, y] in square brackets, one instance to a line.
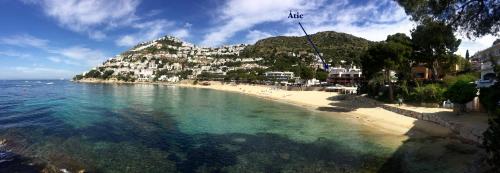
[460, 93]
[467, 56]
[321, 75]
[93, 74]
[430, 93]
[107, 74]
[472, 17]
[475, 18]
[491, 97]
[391, 55]
[434, 44]
[306, 73]
[78, 77]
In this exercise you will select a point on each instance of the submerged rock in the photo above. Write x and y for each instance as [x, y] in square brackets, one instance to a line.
[11, 162]
[239, 140]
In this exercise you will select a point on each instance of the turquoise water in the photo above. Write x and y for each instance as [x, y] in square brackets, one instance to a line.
[154, 128]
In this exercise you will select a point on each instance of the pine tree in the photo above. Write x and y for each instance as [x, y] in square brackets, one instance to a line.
[467, 55]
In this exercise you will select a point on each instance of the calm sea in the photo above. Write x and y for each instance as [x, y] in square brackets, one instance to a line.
[60, 125]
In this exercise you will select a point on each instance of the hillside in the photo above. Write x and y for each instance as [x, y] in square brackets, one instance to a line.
[170, 59]
[335, 46]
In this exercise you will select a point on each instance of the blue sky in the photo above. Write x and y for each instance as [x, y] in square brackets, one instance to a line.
[50, 39]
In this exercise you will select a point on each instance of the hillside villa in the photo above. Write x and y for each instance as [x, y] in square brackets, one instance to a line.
[482, 60]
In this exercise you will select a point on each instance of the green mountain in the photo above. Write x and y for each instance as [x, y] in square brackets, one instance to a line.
[335, 47]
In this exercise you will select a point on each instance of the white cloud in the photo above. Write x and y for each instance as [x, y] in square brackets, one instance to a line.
[14, 54]
[373, 21]
[154, 12]
[127, 40]
[74, 55]
[55, 59]
[255, 35]
[86, 16]
[80, 54]
[24, 40]
[180, 33]
[97, 35]
[151, 30]
[238, 15]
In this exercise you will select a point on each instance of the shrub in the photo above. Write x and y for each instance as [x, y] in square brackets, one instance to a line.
[78, 77]
[492, 141]
[468, 77]
[489, 98]
[126, 78]
[93, 74]
[430, 93]
[461, 92]
[107, 74]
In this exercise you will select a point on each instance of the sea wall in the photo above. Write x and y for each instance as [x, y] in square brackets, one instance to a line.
[463, 131]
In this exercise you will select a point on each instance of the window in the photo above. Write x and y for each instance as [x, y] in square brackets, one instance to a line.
[419, 75]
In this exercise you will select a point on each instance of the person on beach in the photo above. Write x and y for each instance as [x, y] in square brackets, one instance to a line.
[400, 101]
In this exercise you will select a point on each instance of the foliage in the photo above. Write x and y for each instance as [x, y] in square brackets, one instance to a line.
[434, 44]
[184, 74]
[467, 56]
[165, 42]
[107, 74]
[468, 77]
[472, 17]
[492, 136]
[78, 77]
[492, 141]
[306, 73]
[163, 72]
[93, 74]
[489, 97]
[461, 92]
[321, 75]
[334, 46]
[209, 76]
[252, 75]
[430, 93]
[384, 57]
[233, 64]
[126, 78]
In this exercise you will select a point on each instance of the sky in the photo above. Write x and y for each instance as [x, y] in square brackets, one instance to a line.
[53, 39]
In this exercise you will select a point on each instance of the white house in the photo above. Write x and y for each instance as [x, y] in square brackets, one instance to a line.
[482, 59]
[278, 75]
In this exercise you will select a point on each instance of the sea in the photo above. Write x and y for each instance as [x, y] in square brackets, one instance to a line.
[63, 126]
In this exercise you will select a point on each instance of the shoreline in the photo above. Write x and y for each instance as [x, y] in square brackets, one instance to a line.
[376, 117]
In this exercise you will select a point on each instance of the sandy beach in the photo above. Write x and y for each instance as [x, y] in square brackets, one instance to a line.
[379, 118]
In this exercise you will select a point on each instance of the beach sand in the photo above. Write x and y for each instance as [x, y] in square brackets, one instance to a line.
[381, 119]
